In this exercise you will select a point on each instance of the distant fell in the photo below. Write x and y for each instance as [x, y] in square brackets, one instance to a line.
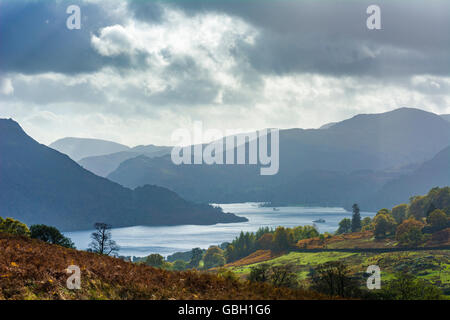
[105, 164]
[78, 148]
[40, 185]
[337, 166]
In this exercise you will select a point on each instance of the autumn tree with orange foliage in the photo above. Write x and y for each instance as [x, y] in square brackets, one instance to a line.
[409, 232]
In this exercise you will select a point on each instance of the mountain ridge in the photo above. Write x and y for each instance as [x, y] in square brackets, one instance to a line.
[336, 166]
[40, 185]
[103, 165]
[79, 148]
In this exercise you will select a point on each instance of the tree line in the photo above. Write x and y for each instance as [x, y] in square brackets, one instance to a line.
[410, 224]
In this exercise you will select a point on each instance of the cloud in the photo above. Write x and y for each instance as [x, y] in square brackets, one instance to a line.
[35, 38]
[138, 70]
[113, 40]
[182, 61]
[6, 87]
[331, 37]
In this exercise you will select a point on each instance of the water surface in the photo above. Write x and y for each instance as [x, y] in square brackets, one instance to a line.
[165, 240]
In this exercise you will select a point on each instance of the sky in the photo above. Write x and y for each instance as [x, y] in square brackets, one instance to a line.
[136, 71]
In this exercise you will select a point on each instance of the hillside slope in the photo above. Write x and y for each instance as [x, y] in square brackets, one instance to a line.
[31, 269]
[105, 164]
[432, 173]
[335, 167]
[40, 185]
[78, 148]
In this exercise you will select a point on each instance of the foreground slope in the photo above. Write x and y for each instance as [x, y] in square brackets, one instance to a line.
[432, 266]
[31, 269]
[39, 185]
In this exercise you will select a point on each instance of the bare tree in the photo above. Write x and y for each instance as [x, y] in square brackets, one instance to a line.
[102, 240]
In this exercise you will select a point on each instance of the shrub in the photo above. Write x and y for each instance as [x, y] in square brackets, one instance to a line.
[51, 235]
[12, 226]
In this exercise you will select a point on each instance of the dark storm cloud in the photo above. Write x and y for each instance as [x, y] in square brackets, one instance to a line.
[331, 37]
[34, 37]
[148, 11]
[327, 37]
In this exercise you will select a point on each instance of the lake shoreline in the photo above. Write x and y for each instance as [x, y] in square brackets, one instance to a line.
[141, 241]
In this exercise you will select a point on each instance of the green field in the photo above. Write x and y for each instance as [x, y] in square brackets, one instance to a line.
[433, 266]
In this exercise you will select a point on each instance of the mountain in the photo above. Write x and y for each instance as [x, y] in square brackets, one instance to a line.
[432, 173]
[337, 166]
[105, 164]
[78, 148]
[446, 117]
[40, 185]
[327, 125]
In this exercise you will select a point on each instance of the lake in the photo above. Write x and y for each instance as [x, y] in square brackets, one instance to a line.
[165, 240]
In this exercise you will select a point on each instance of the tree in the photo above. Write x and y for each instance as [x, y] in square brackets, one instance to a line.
[304, 232]
[366, 224]
[51, 235]
[12, 226]
[409, 232]
[214, 257]
[154, 260]
[265, 241]
[197, 255]
[384, 211]
[333, 279]
[437, 219]
[430, 209]
[179, 265]
[356, 218]
[437, 198]
[345, 226]
[241, 246]
[259, 273]
[279, 275]
[399, 213]
[406, 286]
[283, 276]
[282, 239]
[383, 224]
[102, 242]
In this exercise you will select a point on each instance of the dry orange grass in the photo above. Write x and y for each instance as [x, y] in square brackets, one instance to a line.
[353, 240]
[255, 257]
[31, 269]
